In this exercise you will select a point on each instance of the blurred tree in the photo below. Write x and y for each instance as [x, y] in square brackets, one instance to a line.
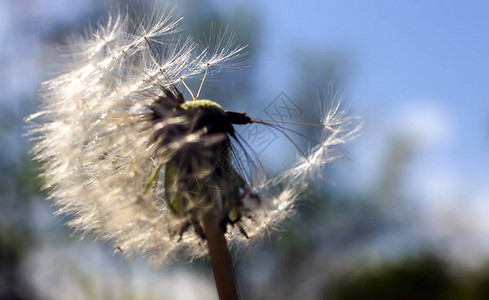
[18, 185]
[422, 277]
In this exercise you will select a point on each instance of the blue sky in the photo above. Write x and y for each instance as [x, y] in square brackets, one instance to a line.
[417, 68]
[433, 55]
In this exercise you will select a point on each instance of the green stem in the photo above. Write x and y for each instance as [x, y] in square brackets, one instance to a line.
[222, 264]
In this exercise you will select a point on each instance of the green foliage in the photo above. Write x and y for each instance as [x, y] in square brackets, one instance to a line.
[424, 277]
[14, 242]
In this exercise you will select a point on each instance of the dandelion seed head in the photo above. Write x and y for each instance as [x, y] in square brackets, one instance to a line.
[129, 161]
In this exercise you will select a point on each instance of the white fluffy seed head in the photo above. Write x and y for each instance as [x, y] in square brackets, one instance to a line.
[99, 150]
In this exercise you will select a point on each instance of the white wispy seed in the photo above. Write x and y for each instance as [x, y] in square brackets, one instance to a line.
[105, 153]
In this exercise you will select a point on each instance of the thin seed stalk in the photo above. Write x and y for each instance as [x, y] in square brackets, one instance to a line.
[222, 264]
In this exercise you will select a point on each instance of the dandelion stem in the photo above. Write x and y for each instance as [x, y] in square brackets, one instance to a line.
[221, 261]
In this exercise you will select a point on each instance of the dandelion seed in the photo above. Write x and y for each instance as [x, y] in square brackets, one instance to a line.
[131, 162]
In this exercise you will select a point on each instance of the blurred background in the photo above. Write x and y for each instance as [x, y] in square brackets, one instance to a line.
[404, 216]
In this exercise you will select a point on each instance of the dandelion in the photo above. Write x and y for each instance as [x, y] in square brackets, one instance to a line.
[130, 161]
